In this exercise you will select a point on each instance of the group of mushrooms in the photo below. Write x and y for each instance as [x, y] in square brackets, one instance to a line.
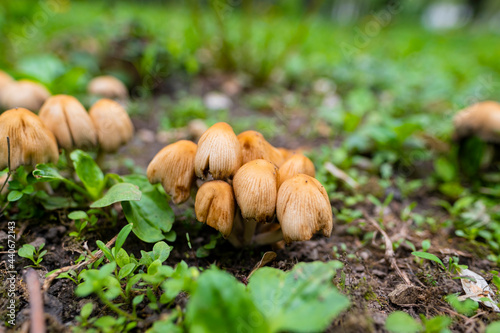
[62, 122]
[244, 185]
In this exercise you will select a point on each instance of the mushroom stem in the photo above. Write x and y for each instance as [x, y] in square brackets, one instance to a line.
[234, 240]
[248, 231]
[235, 236]
[267, 238]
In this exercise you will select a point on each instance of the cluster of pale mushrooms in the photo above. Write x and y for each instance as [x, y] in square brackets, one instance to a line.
[62, 122]
[244, 185]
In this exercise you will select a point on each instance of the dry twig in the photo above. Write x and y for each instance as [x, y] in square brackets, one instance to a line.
[36, 302]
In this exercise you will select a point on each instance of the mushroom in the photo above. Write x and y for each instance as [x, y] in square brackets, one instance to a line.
[5, 79]
[303, 208]
[113, 125]
[66, 117]
[107, 86]
[214, 205]
[30, 141]
[481, 120]
[254, 146]
[255, 188]
[296, 164]
[23, 93]
[173, 166]
[218, 154]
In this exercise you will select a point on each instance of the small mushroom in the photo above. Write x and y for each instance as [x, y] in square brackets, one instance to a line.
[23, 94]
[296, 164]
[214, 206]
[66, 117]
[254, 146]
[5, 79]
[113, 125]
[30, 141]
[481, 120]
[107, 86]
[173, 166]
[303, 208]
[218, 154]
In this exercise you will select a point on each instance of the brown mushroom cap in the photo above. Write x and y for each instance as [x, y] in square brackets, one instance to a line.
[66, 117]
[23, 94]
[5, 79]
[296, 164]
[214, 206]
[480, 119]
[173, 166]
[255, 188]
[30, 141]
[112, 123]
[107, 86]
[254, 146]
[219, 153]
[303, 208]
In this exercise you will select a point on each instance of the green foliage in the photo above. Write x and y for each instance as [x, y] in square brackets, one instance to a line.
[117, 193]
[401, 322]
[28, 251]
[428, 256]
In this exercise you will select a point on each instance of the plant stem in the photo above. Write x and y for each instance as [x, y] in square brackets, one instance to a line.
[113, 306]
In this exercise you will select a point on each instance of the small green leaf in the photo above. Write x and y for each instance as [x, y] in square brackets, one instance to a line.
[121, 257]
[26, 251]
[118, 192]
[47, 172]
[78, 215]
[89, 172]
[105, 322]
[161, 251]
[105, 250]
[14, 196]
[122, 236]
[445, 170]
[126, 270]
[428, 256]
[493, 327]
[87, 310]
[401, 322]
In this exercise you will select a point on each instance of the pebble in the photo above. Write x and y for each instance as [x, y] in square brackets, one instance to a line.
[38, 241]
[217, 101]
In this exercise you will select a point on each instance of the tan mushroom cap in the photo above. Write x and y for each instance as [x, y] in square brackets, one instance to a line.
[112, 123]
[173, 167]
[214, 205]
[23, 94]
[254, 146]
[30, 141]
[5, 79]
[303, 208]
[255, 188]
[481, 119]
[296, 164]
[219, 153]
[107, 86]
[66, 117]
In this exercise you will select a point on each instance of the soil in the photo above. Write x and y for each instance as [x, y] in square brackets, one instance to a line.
[367, 277]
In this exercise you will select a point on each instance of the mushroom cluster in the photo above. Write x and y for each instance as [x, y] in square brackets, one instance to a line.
[250, 191]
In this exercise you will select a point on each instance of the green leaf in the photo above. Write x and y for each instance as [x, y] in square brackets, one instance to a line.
[301, 300]
[493, 327]
[122, 236]
[445, 170]
[428, 256]
[121, 257]
[161, 251]
[437, 324]
[14, 196]
[467, 307]
[105, 250]
[401, 322]
[221, 304]
[126, 270]
[78, 215]
[89, 173]
[26, 251]
[47, 172]
[105, 322]
[118, 192]
[86, 310]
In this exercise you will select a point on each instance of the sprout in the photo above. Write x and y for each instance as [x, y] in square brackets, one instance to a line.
[31, 142]
[66, 117]
[219, 153]
[173, 166]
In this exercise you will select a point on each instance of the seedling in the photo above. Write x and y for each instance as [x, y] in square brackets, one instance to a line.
[30, 252]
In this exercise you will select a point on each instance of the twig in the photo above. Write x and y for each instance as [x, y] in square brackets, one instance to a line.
[36, 302]
[389, 252]
[90, 261]
[340, 174]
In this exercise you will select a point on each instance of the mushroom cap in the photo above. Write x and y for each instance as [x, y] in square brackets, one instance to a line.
[254, 146]
[481, 119]
[107, 86]
[5, 79]
[66, 117]
[23, 94]
[30, 141]
[296, 164]
[219, 153]
[112, 123]
[173, 167]
[214, 205]
[255, 188]
[303, 208]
